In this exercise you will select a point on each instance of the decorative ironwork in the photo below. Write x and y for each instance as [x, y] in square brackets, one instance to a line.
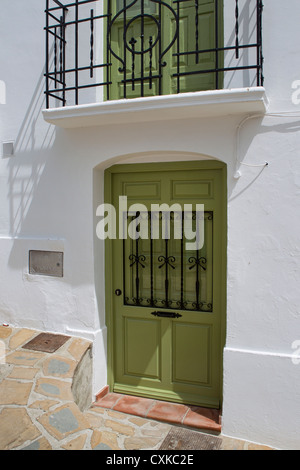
[147, 265]
[199, 262]
[237, 51]
[143, 56]
[137, 260]
[166, 315]
[166, 261]
[92, 45]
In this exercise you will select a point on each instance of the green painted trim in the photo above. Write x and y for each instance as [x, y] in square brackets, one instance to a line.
[158, 394]
[108, 289]
[224, 223]
[167, 166]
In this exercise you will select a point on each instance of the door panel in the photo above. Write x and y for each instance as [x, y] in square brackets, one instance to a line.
[151, 42]
[191, 353]
[145, 335]
[183, 189]
[167, 326]
[190, 40]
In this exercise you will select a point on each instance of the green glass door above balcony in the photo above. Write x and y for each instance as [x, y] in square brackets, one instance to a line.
[155, 47]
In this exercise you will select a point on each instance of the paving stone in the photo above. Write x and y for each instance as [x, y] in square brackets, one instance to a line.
[3, 352]
[94, 420]
[102, 446]
[24, 358]
[97, 409]
[21, 337]
[5, 369]
[231, 444]
[54, 388]
[149, 431]
[76, 444]
[59, 367]
[5, 332]
[64, 421]
[120, 427]
[78, 347]
[141, 443]
[138, 421]
[13, 392]
[251, 446]
[117, 415]
[40, 444]
[104, 441]
[43, 405]
[25, 373]
[16, 428]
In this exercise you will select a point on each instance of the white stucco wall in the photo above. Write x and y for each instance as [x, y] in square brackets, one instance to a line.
[51, 186]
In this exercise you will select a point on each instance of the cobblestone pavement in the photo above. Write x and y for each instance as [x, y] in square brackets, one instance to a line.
[38, 410]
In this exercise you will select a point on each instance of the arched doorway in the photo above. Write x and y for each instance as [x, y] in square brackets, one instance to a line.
[166, 298]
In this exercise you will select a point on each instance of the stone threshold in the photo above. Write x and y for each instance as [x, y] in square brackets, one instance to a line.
[205, 419]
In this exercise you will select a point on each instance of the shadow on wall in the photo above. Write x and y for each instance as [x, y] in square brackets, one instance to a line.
[46, 193]
[44, 197]
[247, 26]
[26, 166]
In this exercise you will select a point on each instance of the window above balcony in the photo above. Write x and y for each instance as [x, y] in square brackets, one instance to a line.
[101, 53]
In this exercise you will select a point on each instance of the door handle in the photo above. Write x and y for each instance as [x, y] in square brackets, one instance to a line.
[166, 314]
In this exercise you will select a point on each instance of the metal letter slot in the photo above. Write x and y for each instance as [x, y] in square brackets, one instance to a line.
[166, 314]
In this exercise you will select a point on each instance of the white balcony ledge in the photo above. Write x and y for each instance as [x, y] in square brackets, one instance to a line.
[203, 104]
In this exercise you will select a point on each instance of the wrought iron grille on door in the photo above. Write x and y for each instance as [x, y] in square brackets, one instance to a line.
[162, 273]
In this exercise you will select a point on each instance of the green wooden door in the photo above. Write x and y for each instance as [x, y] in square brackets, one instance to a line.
[166, 302]
[152, 48]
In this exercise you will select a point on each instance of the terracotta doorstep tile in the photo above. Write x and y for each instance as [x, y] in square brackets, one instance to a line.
[203, 418]
[191, 416]
[209, 413]
[102, 393]
[134, 405]
[108, 401]
[169, 412]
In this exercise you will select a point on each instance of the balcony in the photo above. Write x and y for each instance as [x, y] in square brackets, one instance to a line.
[99, 51]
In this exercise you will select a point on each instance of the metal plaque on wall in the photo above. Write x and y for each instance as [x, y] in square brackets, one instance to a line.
[46, 263]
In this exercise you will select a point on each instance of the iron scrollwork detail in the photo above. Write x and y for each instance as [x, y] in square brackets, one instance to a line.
[137, 259]
[166, 261]
[145, 266]
[199, 262]
[140, 45]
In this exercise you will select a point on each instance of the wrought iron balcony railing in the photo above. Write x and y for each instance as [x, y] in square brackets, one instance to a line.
[113, 49]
